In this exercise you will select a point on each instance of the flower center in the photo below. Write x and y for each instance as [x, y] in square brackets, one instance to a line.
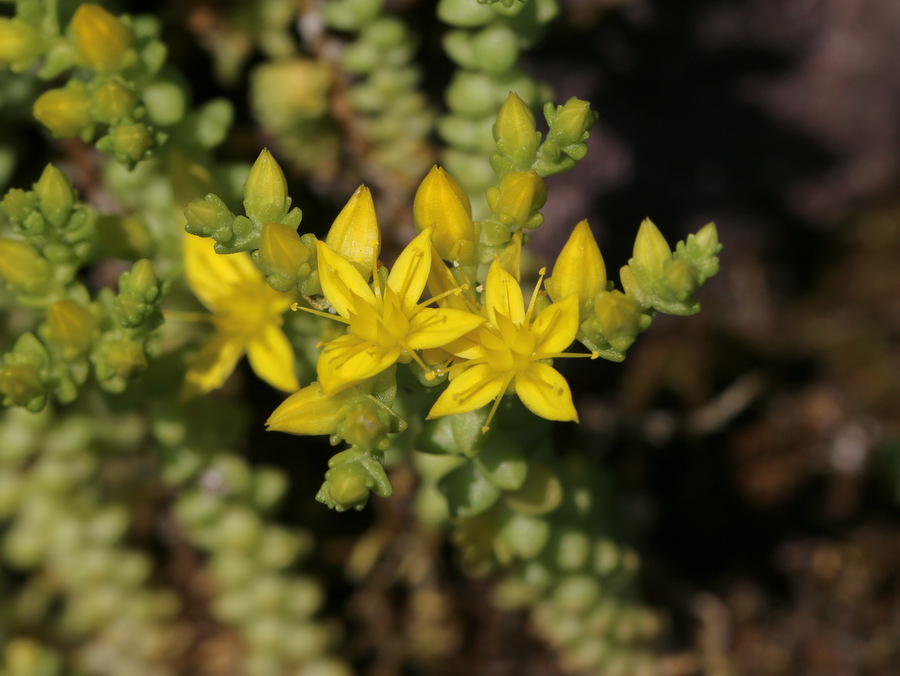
[509, 348]
[385, 329]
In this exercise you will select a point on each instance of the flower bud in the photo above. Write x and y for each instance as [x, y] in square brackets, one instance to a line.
[681, 278]
[348, 486]
[101, 39]
[516, 201]
[309, 411]
[651, 251]
[442, 204]
[515, 132]
[129, 143]
[65, 111]
[208, 219]
[21, 265]
[141, 281]
[55, 195]
[70, 325]
[619, 318]
[281, 253]
[572, 122]
[354, 235]
[19, 43]
[20, 383]
[363, 427]
[18, 205]
[265, 191]
[112, 102]
[579, 269]
[701, 250]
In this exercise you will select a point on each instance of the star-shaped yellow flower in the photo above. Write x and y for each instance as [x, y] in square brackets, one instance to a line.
[512, 353]
[247, 314]
[387, 325]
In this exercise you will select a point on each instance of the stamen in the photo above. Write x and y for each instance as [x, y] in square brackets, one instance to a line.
[487, 423]
[452, 292]
[534, 294]
[319, 313]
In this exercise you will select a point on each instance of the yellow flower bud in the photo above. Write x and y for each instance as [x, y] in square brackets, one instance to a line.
[124, 358]
[579, 269]
[517, 199]
[70, 325]
[21, 265]
[19, 43]
[55, 195]
[515, 132]
[573, 120]
[442, 204]
[112, 102]
[265, 191]
[280, 250]
[65, 112]
[101, 39]
[651, 251]
[355, 234]
[619, 317]
[21, 383]
[309, 411]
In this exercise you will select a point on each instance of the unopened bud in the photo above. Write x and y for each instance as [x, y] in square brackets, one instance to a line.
[21, 265]
[348, 486]
[572, 122]
[579, 269]
[619, 318]
[442, 204]
[516, 201]
[515, 132]
[651, 251]
[19, 43]
[20, 383]
[124, 358]
[354, 235]
[129, 143]
[265, 191]
[208, 219]
[112, 102]
[71, 325]
[55, 195]
[681, 278]
[65, 112]
[309, 411]
[101, 39]
[281, 253]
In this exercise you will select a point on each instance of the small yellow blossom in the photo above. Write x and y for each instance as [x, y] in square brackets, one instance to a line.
[355, 234]
[579, 269]
[385, 326]
[101, 39]
[513, 352]
[442, 204]
[247, 314]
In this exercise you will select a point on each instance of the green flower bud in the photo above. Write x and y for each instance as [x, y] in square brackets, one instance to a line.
[71, 327]
[348, 486]
[363, 427]
[651, 251]
[113, 101]
[681, 279]
[265, 191]
[55, 195]
[120, 359]
[700, 251]
[19, 43]
[619, 318]
[579, 269]
[101, 40]
[281, 253]
[515, 132]
[570, 123]
[21, 384]
[22, 266]
[442, 204]
[209, 218]
[141, 281]
[65, 112]
[516, 201]
[18, 205]
[355, 234]
[129, 143]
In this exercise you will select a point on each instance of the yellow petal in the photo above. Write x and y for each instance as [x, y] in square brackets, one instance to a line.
[342, 284]
[441, 281]
[310, 411]
[473, 388]
[347, 360]
[410, 272]
[545, 392]
[217, 279]
[272, 358]
[355, 234]
[210, 367]
[555, 328]
[431, 328]
[503, 295]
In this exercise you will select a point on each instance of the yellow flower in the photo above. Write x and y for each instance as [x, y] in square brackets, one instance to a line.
[387, 325]
[247, 314]
[512, 352]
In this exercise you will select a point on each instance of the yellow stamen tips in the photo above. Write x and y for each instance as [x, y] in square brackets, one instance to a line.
[595, 354]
